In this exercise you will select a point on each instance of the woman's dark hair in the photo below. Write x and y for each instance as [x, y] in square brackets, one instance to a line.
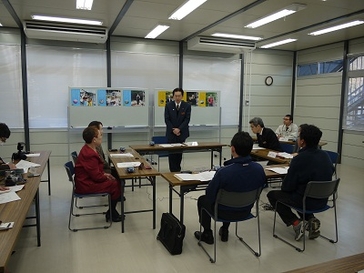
[4, 130]
[89, 133]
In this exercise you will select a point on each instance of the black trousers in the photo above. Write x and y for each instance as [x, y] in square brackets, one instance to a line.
[174, 161]
[205, 219]
[285, 212]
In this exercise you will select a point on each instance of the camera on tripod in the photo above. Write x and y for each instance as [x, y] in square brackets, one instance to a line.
[20, 154]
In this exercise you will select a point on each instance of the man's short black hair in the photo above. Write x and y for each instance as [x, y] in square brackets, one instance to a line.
[4, 130]
[257, 121]
[96, 124]
[178, 89]
[310, 134]
[289, 116]
[243, 143]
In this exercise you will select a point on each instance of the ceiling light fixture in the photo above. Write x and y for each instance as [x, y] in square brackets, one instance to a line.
[279, 43]
[84, 4]
[66, 20]
[158, 30]
[335, 28]
[186, 9]
[277, 15]
[236, 36]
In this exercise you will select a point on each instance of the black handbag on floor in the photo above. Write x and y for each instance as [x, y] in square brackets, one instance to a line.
[172, 233]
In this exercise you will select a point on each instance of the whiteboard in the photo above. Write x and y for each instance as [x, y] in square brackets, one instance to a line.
[201, 113]
[114, 107]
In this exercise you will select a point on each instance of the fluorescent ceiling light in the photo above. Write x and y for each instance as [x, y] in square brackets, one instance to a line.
[236, 36]
[186, 9]
[84, 4]
[277, 15]
[158, 30]
[279, 43]
[331, 29]
[66, 20]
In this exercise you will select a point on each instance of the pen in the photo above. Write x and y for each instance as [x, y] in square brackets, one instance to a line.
[8, 225]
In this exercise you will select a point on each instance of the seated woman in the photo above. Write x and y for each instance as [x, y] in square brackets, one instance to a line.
[89, 172]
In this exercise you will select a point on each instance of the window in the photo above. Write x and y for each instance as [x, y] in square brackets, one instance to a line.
[320, 68]
[354, 112]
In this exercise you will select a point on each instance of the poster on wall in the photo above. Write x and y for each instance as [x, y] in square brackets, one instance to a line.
[83, 97]
[195, 98]
[134, 98]
[109, 97]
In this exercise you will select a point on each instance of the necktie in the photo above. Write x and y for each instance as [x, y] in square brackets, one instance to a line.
[177, 107]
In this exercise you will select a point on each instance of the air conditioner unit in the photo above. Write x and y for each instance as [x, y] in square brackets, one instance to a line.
[215, 44]
[65, 32]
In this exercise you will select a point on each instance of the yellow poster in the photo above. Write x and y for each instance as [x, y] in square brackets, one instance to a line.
[202, 99]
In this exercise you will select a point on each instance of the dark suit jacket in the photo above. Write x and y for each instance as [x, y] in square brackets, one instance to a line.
[180, 119]
[269, 140]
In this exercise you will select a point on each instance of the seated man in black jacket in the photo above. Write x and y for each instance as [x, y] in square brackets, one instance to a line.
[311, 164]
[239, 174]
[266, 137]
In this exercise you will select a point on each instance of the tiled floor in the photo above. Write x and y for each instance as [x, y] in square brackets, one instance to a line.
[137, 250]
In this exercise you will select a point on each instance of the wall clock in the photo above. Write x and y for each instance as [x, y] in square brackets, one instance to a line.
[268, 80]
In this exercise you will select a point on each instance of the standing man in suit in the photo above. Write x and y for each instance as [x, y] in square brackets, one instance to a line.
[177, 116]
[265, 136]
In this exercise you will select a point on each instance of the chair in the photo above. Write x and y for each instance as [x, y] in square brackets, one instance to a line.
[235, 200]
[74, 156]
[334, 159]
[288, 148]
[319, 190]
[75, 196]
[160, 140]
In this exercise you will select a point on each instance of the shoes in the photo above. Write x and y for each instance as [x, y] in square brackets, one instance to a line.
[115, 217]
[224, 234]
[206, 237]
[313, 228]
[299, 230]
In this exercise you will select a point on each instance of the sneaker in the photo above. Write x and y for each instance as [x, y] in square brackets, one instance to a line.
[224, 234]
[299, 230]
[313, 228]
[206, 237]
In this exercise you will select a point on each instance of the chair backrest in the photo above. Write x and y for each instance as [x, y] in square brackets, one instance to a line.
[159, 139]
[288, 148]
[321, 189]
[237, 199]
[74, 156]
[333, 156]
[70, 171]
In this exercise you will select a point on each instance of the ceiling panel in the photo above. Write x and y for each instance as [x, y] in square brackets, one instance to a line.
[143, 15]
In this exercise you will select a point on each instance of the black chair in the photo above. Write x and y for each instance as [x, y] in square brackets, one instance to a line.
[74, 156]
[235, 200]
[318, 190]
[334, 158]
[160, 140]
[75, 196]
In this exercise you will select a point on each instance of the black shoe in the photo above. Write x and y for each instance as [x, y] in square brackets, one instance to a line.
[115, 218]
[206, 237]
[224, 234]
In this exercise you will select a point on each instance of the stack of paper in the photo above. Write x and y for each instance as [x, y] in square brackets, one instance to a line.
[23, 164]
[128, 164]
[280, 170]
[285, 155]
[122, 155]
[203, 176]
[256, 147]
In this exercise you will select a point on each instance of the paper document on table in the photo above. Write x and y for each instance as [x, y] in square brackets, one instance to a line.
[33, 155]
[16, 188]
[8, 197]
[285, 155]
[128, 164]
[280, 170]
[203, 176]
[193, 143]
[171, 145]
[25, 165]
[256, 147]
[122, 155]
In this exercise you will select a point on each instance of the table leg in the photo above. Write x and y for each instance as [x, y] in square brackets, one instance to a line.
[37, 215]
[122, 206]
[170, 199]
[182, 204]
[153, 181]
[49, 176]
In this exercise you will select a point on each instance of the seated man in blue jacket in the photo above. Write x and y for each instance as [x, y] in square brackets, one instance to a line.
[239, 174]
[311, 164]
